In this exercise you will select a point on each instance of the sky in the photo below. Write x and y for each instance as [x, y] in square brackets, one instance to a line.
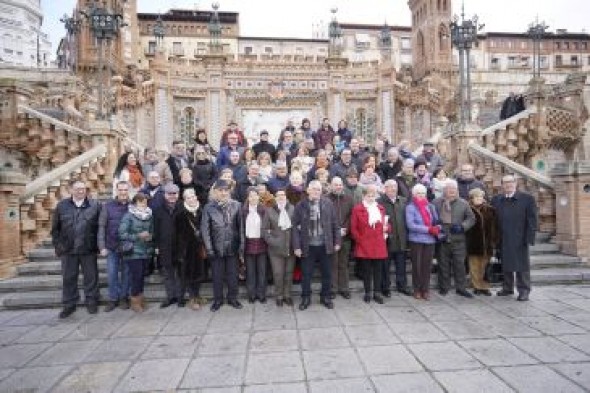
[294, 18]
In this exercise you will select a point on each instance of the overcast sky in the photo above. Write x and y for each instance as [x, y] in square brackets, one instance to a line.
[294, 18]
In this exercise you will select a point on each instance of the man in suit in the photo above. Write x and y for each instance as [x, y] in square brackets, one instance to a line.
[516, 213]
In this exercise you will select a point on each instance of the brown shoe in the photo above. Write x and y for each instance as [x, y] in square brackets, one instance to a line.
[417, 295]
[194, 305]
[426, 295]
[136, 304]
[142, 302]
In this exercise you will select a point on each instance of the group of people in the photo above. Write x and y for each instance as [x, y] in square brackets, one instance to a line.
[257, 211]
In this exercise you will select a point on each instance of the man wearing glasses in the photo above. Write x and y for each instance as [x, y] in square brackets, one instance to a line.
[223, 157]
[74, 233]
[516, 212]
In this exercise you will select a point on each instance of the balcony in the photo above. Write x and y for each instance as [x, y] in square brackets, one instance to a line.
[177, 52]
[149, 52]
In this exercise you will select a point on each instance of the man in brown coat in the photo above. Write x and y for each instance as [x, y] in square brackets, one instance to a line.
[343, 205]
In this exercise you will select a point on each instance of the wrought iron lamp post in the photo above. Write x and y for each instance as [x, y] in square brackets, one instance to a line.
[385, 42]
[463, 37]
[159, 31]
[537, 31]
[105, 25]
[335, 34]
[214, 28]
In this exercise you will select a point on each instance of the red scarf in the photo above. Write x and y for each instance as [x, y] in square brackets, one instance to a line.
[422, 205]
[135, 176]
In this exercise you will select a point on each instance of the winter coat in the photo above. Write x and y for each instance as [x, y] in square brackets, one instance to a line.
[461, 214]
[164, 171]
[433, 163]
[482, 237]
[129, 228]
[330, 225]
[155, 195]
[253, 246]
[295, 195]
[241, 191]
[340, 170]
[404, 185]
[264, 146]
[277, 183]
[398, 237]
[175, 168]
[517, 223]
[223, 155]
[110, 217]
[369, 242]
[345, 135]
[239, 171]
[222, 235]
[356, 193]
[343, 205]
[388, 170]
[417, 230]
[204, 174]
[323, 136]
[189, 241]
[277, 240]
[74, 230]
[165, 230]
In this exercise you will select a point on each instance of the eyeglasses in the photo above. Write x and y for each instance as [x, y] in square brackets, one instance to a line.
[172, 193]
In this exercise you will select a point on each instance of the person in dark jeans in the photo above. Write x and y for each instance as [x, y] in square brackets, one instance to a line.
[74, 234]
[165, 244]
[316, 237]
[221, 230]
[254, 246]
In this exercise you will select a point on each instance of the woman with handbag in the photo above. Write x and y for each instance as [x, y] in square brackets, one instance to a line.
[481, 239]
[423, 233]
[190, 249]
[136, 232]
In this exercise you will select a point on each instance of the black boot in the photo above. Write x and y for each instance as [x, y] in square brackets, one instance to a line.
[305, 302]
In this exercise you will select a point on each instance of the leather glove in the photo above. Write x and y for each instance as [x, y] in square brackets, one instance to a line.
[457, 229]
[434, 231]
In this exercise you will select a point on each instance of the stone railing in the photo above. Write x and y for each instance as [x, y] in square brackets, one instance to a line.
[41, 195]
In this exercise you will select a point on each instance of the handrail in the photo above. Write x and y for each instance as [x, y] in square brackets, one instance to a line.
[41, 183]
[52, 120]
[502, 124]
[515, 167]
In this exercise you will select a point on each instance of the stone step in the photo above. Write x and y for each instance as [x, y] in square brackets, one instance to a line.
[544, 248]
[544, 261]
[554, 276]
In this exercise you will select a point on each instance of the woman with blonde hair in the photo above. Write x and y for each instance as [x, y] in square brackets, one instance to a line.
[481, 239]
[265, 165]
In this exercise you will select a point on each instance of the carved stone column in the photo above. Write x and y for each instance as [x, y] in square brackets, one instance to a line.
[12, 187]
[104, 134]
[572, 192]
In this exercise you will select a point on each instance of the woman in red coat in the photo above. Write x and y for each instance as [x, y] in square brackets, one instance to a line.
[368, 228]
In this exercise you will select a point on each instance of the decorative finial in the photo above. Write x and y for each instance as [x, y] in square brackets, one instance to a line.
[215, 5]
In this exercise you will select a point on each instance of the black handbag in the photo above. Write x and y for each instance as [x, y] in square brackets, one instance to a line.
[125, 247]
[493, 272]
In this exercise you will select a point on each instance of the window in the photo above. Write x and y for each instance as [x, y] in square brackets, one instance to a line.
[566, 45]
[525, 61]
[495, 63]
[298, 50]
[558, 61]
[574, 61]
[268, 50]
[322, 50]
[152, 47]
[248, 50]
[177, 49]
[558, 45]
[492, 44]
[10, 51]
[406, 43]
[575, 45]
[512, 61]
[589, 60]
[544, 62]
[584, 45]
[523, 45]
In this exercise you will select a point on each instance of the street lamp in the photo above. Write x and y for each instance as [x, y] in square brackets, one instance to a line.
[335, 33]
[463, 37]
[72, 25]
[159, 31]
[214, 28]
[385, 41]
[537, 31]
[105, 25]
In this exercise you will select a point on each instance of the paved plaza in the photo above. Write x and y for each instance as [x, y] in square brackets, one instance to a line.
[449, 344]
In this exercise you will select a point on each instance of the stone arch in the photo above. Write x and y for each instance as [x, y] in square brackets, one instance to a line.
[188, 124]
[443, 36]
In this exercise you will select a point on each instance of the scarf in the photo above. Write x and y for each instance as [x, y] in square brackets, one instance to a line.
[141, 214]
[135, 176]
[374, 213]
[192, 210]
[284, 220]
[422, 205]
[253, 223]
[315, 227]
[446, 215]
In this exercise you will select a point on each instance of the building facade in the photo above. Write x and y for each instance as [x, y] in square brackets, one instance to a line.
[22, 43]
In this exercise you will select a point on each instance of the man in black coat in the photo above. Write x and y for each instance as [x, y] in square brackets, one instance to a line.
[468, 182]
[316, 236]
[264, 145]
[511, 106]
[165, 243]
[74, 234]
[221, 230]
[516, 213]
[389, 168]
[178, 160]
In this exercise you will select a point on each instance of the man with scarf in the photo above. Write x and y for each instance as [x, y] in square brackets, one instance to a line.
[165, 243]
[405, 179]
[343, 204]
[432, 159]
[456, 217]
[221, 228]
[264, 145]
[178, 160]
[316, 236]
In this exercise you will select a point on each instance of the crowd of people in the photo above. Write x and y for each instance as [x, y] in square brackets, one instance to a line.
[261, 213]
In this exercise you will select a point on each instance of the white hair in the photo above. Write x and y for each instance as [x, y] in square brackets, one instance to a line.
[418, 189]
[451, 183]
[390, 182]
[409, 162]
[314, 184]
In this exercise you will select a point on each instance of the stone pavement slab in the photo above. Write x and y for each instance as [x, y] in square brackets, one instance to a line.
[9, 334]
[407, 383]
[577, 372]
[497, 352]
[265, 368]
[333, 337]
[171, 346]
[418, 332]
[117, 349]
[93, 377]
[536, 379]
[150, 375]
[443, 356]
[388, 360]
[481, 381]
[276, 388]
[215, 371]
[332, 364]
[37, 379]
[341, 386]
[17, 355]
[66, 353]
[370, 335]
[549, 349]
[223, 344]
[578, 341]
[274, 341]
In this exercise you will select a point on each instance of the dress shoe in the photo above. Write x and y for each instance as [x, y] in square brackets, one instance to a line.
[485, 292]
[251, 299]
[67, 311]
[345, 295]
[262, 300]
[504, 292]
[464, 293]
[124, 304]
[386, 293]
[417, 295]
[332, 295]
[367, 298]
[523, 297]
[443, 292]
[110, 306]
[288, 301]
[405, 291]
[181, 302]
[426, 295]
[305, 302]
[168, 302]
[279, 302]
[378, 299]
[235, 304]
[216, 306]
[327, 302]
[92, 308]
